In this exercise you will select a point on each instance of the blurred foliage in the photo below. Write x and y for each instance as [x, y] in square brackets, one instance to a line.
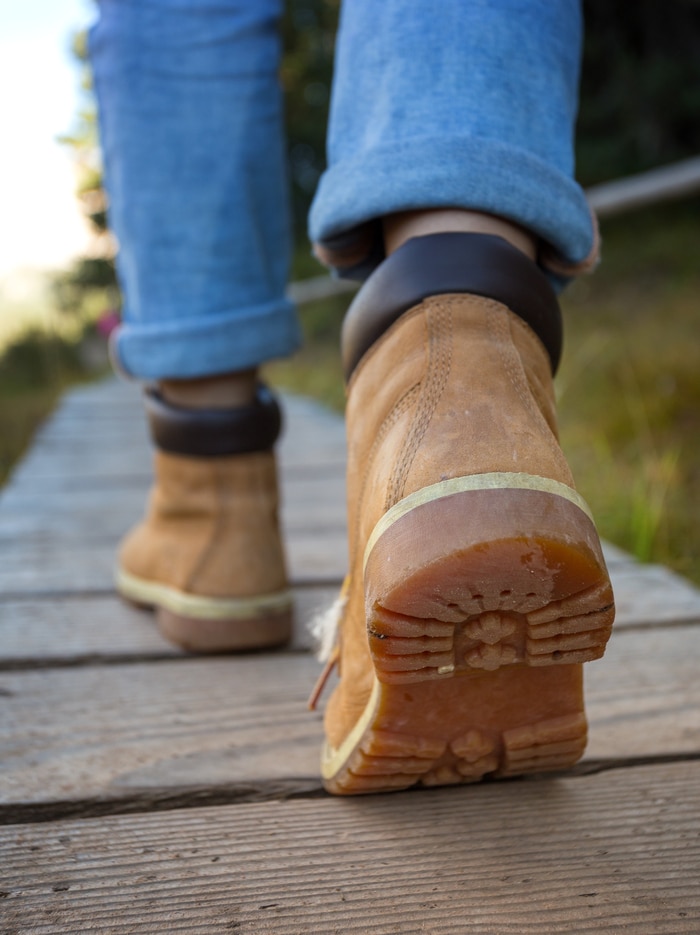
[308, 35]
[640, 87]
[640, 97]
[91, 279]
[628, 387]
[34, 371]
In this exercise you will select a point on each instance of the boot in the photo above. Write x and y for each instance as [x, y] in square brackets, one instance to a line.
[477, 583]
[208, 556]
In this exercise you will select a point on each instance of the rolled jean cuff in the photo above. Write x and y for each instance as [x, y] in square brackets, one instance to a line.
[474, 174]
[206, 345]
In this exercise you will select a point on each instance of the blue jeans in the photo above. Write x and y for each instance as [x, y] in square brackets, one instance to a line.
[465, 103]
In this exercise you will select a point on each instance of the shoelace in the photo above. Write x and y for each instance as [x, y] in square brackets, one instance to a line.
[327, 628]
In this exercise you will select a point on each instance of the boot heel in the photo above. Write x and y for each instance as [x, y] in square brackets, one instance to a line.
[211, 624]
[505, 723]
[218, 636]
[482, 572]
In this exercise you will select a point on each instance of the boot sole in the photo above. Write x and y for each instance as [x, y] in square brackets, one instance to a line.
[208, 624]
[483, 595]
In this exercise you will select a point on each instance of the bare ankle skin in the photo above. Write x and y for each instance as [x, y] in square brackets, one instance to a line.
[223, 391]
[398, 228]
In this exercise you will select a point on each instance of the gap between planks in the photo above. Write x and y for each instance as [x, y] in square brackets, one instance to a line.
[108, 734]
[612, 852]
[216, 795]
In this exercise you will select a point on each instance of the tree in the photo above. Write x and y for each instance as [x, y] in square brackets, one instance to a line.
[93, 275]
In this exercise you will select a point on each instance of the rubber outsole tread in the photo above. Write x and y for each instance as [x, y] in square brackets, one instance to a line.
[550, 744]
[491, 639]
[477, 636]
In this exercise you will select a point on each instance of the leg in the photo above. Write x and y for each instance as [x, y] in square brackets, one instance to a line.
[473, 108]
[191, 127]
[192, 133]
[477, 585]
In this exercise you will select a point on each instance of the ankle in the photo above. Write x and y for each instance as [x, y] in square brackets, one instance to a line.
[223, 391]
[451, 262]
[398, 228]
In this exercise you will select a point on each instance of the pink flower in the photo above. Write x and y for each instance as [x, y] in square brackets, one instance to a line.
[107, 322]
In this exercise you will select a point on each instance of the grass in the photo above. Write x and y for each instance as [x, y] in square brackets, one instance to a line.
[628, 387]
[316, 369]
[35, 369]
[43, 351]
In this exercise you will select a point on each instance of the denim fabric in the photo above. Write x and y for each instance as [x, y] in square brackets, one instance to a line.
[465, 103]
[461, 103]
[191, 128]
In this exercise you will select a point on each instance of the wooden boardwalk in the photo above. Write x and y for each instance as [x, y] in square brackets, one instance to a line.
[145, 791]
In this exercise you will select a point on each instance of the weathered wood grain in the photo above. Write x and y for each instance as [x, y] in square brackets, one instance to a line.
[614, 852]
[642, 698]
[313, 436]
[308, 498]
[72, 734]
[314, 557]
[64, 626]
[47, 573]
[664, 183]
[82, 629]
[651, 595]
[114, 731]
[124, 722]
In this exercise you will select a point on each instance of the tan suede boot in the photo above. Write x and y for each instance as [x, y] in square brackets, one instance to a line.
[477, 584]
[208, 555]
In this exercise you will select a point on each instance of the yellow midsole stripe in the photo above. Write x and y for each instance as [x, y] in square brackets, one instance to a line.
[194, 605]
[332, 760]
[446, 488]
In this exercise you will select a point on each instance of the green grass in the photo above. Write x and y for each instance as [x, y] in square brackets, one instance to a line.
[316, 369]
[34, 370]
[628, 387]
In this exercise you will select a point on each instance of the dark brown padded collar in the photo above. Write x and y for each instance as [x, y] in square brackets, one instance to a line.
[480, 264]
[212, 433]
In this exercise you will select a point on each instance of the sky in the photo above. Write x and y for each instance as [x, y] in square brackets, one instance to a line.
[40, 222]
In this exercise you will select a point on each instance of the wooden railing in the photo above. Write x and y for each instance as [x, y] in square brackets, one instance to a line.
[666, 183]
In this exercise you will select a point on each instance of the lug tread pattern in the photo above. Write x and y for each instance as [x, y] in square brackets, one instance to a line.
[572, 630]
[385, 761]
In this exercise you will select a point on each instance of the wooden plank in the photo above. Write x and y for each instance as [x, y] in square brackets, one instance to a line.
[61, 519]
[128, 731]
[91, 624]
[88, 624]
[124, 731]
[319, 287]
[86, 408]
[111, 413]
[81, 629]
[619, 851]
[111, 471]
[313, 493]
[641, 698]
[651, 595]
[666, 183]
[49, 568]
[313, 556]
[32, 524]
